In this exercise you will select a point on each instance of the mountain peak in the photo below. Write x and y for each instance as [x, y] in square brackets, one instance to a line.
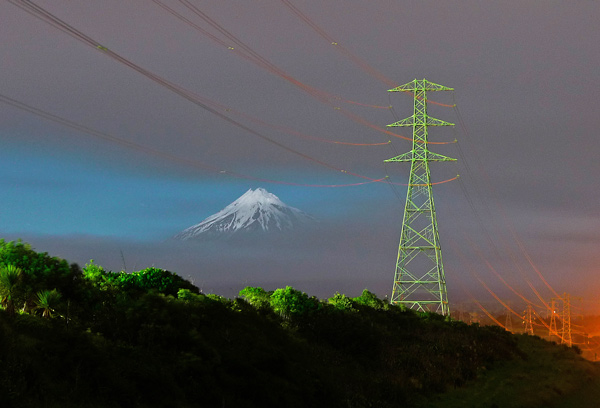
[260, 195]
[255, 211]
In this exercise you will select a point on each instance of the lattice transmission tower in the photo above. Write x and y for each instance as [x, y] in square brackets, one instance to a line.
[566, 335]
[528, 320]
[552, 331]
[419, 281]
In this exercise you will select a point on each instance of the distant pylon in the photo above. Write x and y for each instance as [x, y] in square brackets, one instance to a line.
[419, 281]
[528, 319]
[566, 320]
[552, 331]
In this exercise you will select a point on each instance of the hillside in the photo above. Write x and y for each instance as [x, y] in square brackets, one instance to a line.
[151, 339]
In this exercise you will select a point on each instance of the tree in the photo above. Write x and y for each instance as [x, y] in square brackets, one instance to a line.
[189, 296]
[369, 299]
[95, 274]
[40, 272]
[290, 302]
[10, 277]
[163, 281]
[340, 302]
[47, 301]
[150, 280]
[257, 297]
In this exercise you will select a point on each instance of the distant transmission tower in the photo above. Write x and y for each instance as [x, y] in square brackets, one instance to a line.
[553, 331]
[508, 324]
[528, 320]
[566, 320]
[419, 282]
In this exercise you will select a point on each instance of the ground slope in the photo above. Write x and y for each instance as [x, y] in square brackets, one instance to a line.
[550, 376]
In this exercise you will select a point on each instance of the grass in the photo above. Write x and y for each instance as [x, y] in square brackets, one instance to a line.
[549, 376]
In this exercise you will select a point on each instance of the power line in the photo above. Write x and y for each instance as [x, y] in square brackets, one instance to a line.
[51, 19]
[150, 151]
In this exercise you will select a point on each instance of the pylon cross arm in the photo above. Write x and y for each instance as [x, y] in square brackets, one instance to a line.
[419, 156]
[417, 120]
[420, 85]
[405, 157]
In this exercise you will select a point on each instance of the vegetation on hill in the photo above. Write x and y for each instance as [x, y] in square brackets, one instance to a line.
[87, 337]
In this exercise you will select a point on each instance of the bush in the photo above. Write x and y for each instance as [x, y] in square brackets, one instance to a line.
[341, 302]
[369, 299]
[290, 302]
[256, 296]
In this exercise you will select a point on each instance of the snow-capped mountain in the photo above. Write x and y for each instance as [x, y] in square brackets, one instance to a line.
[255, 211]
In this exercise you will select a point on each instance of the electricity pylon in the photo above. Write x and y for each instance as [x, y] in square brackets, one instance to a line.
[528, 319]
[566, 320]
[553, 331]
[419, 282]
[508, 325]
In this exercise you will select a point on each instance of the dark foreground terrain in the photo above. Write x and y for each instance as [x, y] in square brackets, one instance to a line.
[72, 337]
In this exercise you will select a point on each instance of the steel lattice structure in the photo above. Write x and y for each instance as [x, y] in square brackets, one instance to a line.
[566, 320]
[552, 330]
[419, 282]
[528, 320]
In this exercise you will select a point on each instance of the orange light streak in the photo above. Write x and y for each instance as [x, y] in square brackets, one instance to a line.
[488, 313]
[476, 276]
[537, 293]
[502, 211]
[533, 266]
[541, 319]
[491, 268]
[496, 297]
[433, 184]
[473, 297]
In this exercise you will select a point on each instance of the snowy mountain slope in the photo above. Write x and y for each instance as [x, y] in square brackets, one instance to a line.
[255, 211]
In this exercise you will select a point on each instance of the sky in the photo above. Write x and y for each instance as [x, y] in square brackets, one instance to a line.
[158, 121]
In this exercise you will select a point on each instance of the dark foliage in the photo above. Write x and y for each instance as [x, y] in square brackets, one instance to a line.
[150, 339]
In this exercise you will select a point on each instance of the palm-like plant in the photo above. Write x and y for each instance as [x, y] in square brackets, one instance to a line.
[47, 301]
[10, 276]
